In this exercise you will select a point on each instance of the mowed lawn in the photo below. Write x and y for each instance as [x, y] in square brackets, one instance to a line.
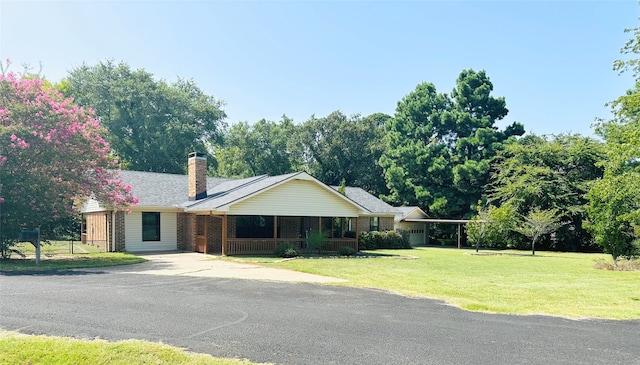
[559, 284]
[56, 255]
[24, 349]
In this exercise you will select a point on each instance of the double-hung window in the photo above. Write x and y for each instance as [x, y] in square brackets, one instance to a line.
[374, 224]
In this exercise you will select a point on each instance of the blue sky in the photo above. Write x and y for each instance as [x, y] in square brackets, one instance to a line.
[551, 60]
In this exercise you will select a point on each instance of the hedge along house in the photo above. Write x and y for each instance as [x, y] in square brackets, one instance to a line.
[231, 216]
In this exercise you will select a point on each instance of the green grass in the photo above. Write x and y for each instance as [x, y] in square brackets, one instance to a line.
[52, 248]
[24, 349]
[559, 284]
[56, 255]
[65, 262]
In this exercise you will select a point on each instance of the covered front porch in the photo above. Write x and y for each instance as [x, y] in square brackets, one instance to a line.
[260, 235]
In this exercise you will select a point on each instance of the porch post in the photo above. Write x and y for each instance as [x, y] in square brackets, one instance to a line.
[275, 230]
[426, 232]
[224, 235]
[206, 233]
[357, 245]
[83, 217]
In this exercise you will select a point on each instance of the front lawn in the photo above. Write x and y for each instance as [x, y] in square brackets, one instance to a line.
[560, 284]
[25, 349]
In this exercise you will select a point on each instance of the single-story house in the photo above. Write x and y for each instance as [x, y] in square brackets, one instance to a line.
[254, 215]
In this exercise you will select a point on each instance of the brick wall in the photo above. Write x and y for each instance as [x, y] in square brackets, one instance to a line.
[118, 227]
[363, 224]
[186, 227]
[214, 238]
[197, 169]
[386, 223]
[231, 227]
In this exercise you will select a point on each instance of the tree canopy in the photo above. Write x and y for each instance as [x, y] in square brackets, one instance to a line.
[439, 146]
[256, 149]
[614, 200]
[337, 147]
[52, 154]
[549, 173]
[151, 125]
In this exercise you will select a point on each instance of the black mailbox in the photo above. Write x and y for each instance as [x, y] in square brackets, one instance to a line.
[28, 235]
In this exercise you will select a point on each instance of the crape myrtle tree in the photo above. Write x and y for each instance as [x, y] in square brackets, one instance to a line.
[152, 125]
[440, 147]
[52, 155]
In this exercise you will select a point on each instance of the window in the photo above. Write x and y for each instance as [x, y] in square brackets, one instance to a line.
[374, 225]
[254, 226]
[150, 226]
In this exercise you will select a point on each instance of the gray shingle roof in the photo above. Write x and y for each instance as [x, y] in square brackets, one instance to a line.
[373, 204]
[403, 212]
[171, 190]
[231, 191]
[162, 190]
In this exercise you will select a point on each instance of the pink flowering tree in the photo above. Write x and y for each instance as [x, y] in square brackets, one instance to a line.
[52, 156]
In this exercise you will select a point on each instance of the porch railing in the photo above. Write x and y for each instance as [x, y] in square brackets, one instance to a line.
[266, 246]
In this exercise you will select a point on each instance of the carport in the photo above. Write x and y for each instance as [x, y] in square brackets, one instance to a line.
[428, 221]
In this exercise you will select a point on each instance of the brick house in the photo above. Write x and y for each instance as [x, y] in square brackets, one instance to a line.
[194, 212]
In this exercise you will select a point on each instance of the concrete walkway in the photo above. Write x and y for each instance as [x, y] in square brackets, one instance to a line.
[197, 264]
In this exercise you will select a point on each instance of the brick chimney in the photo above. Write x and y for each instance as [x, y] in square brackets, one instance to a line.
[197, 176]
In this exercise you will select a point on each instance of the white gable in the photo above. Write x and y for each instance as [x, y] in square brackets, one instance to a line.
[296, 198]
[416, 214]
[91, 205]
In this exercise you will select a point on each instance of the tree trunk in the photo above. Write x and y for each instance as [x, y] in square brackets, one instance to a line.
[533, 247]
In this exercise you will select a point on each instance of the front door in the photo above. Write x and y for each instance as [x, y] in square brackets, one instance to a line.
[201, 233]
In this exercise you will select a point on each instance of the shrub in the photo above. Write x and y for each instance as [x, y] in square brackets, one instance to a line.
[346, 251]
[349, 234]
[366, 242]
[286, 250]
[318, 242]
[387, 239]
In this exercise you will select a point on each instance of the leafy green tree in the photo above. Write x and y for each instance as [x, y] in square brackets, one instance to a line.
[151, 125]
[491, 226]
[538, 223]
[614, 200]
[52, 155]
[612, 217]
[338, 147]
[256, 149]
[549, 173]
[440, 147]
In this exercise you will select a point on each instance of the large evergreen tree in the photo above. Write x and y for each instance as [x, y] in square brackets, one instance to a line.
[440, 146]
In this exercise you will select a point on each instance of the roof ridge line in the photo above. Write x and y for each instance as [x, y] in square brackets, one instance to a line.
[226, 192]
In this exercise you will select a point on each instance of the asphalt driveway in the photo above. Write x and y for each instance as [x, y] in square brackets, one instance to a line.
[200, 265]
[299, 323]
